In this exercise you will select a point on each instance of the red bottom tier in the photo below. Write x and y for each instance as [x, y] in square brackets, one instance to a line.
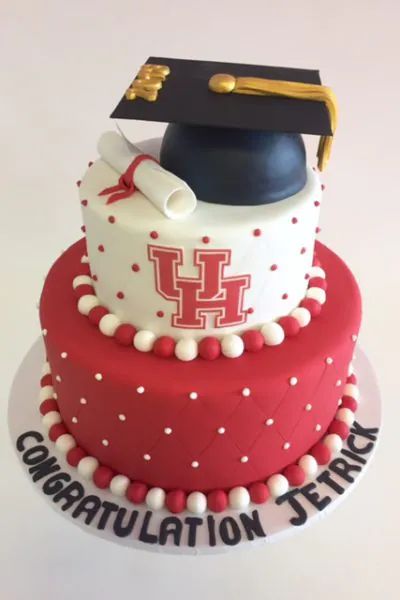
[199, 425]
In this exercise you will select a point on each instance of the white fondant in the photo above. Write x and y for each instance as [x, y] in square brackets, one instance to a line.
[350, 370]
[155, 498]
[239, 498]
[119, 484]
[144, 340]
[232, 346]
[334, 442]
[302, 316]
[81, 280]
[86, 303]
[277, 485]
[46, 369]
[58, 378]
[46, 392]
[87, 466]
[169, 194]
[273, 334]
[346, 415]
[84, 260]
[65, 443]
[196, 503]
[186, 349]
[317, 272]
[109, 324]
[351, 390]
[228, 227]
[51, 418]
[317, 294]
[309, 465]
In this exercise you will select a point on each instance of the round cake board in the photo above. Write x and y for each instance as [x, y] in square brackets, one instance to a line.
[116, 519]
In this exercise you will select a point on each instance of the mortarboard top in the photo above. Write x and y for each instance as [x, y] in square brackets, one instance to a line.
[185, 98]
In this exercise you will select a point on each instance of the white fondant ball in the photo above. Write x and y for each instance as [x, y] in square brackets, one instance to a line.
[239, 497]
[302, 316]
[196, 503]
[186, 349]
[232, 346]
[81, 280]
[144, 340]
[155, 498]
[86, 303]
[51, 418]
[119, 484]
[346, 415]
[317, 272]
[309, 465]
[46, 369]
[65, 443]
[277, 485]
[334, 442]
[350, 370]
[351, 390]
[87, 466]
[85, 259]
[108, 324]
[317, 294]
[46, 392]
[273, 334]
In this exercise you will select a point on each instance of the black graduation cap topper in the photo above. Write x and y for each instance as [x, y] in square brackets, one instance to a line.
[234, 132]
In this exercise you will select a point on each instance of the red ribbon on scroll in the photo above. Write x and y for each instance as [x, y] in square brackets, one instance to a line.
[126, 185]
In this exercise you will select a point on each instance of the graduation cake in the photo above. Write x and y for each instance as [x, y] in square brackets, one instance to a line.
[199, 340]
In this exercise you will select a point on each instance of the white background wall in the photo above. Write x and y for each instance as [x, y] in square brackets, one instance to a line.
[63, 67]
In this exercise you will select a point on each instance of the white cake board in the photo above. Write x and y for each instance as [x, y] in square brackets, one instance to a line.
[273, 518]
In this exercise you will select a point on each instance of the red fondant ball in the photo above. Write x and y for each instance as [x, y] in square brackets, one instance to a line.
[259, 492]
[340, 428]
[349, 402]
[294, 474]
[46, 380]
[102, 477]
[352, 379]
[209, 348]
[290, 326]
[253, 340]
[96, 314]
[56, 430]
[48, 405]
[311, 305]
[176, 501]
[124, 334]
[136, 492]
[321, 453]
[318, 282]
[75, 455]
[217, 501]
[164, 346]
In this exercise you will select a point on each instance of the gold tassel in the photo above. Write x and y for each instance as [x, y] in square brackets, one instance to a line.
[225, 84]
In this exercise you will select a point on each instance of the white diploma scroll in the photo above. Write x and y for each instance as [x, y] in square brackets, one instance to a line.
[169, 194]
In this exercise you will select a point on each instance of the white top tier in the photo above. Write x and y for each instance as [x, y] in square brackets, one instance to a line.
[223, 269]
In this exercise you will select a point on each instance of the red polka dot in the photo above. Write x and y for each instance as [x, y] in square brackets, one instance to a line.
[318, 230]
[250, 311]
[48, 405]
[317, 203]
[303, 250]
[78, 183]
[83, 229]
[102, 477]
[206, 239]
[257, 232]
[160, 314]
[135, 267]
[120, 295]
[294, 474]
[95, 278]
[57, 430]
[307, 276]
[352, 379]
[46, 380]
[90, 163]
[290, 326]
[349, 402]
[84, 202]
[75, 455]
[322, 186]
[312, 305]
[176, 501]
[273, 267]
[209, 348]
[321, 453]
[340, 428]
[96, 314]
[253, 340]
[124, 334]
[111, 219]
[84, 290]
[217, 501]
[154, 235]
[136, 492]
[100, 248]
[259, 492]
[285, 296]
[318, 282]
[164, 346]
[294, 220]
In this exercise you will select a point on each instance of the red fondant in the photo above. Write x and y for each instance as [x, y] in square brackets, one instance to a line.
[83, 290]
[259, 492]
[176, 501]
[164, 346]
[321, 453]
[75, 455]
[290, 326]
[102, 477]
[318, 282]
[253, 340]
[126, 184]
[217, 501]
[349, 402]
[340, 428]
[48, 406]
[124, 334]
[46, 380]
[294, 474]
[352, 379]
[312, 305]
[96, 314]
[219, 403]
[209, 348]
[56, 430]
[136, 492]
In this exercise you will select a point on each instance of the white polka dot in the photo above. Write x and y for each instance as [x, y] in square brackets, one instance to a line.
[221, 430]
[83, 401]
[329, 360]
[58, 378]
[140, 389]
[293, 381]
[286, 446]
[193, 395]
[64, 355]
[338, 383]
[340, 402]
[269, 422]
[244, 459]
[354, 337]
[308, 407]
[246, 391]
[167, 430]
[105, 442]
[146, 456]
[195, 464]
[74, 419]
[318, 427]
[122, 417]
[55, 395]
[98, 377]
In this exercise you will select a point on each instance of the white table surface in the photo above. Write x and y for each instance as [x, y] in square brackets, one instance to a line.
[63, 66]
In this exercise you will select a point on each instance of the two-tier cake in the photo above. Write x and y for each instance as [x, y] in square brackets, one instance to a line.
[199, 340]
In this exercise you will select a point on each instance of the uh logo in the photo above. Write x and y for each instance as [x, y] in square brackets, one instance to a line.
[208, 294]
